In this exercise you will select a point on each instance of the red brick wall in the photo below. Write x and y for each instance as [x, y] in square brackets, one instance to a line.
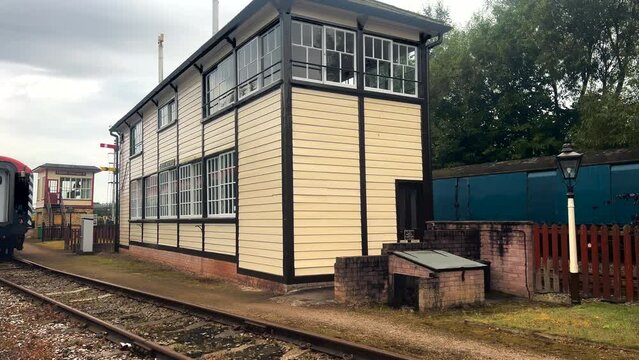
[507, 245]
[361, 279]
[397, 265]
[205, 267]
[452, 288]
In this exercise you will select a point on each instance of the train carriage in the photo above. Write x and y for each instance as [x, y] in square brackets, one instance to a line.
[16, 191]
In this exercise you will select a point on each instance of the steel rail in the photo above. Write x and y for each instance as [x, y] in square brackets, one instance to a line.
[328, 345]
[155, 349]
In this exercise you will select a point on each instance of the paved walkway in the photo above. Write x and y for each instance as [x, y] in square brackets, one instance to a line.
[394, 330]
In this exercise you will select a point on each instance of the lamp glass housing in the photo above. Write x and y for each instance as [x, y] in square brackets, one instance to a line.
[569, 162]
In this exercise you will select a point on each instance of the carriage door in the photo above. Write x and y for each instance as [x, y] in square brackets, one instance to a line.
[410, 210]
[4, 196]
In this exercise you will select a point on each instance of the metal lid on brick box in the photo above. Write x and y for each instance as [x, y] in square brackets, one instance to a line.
[437, 260]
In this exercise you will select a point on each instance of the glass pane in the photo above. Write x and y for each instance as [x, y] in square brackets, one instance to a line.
[315, 56]
[403, 55]
[385, 71]
[307, 39]
[339, 40]
[371, 66]
[378, 48]
[409, 87]
[386, 47]
[315, 72]
[398, 84]
[412, 56]
[330, 39]
[368, 46]
[299, 71]
[395, 53]
[348, 67]
[296, 33]
[317, 37]
[299, 54]
[350, 43]
[332, 66]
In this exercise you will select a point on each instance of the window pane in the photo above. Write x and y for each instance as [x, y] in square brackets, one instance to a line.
[384, 72]
[403, 55]
[378, 48]
[332, 66]
[307, 39]
[339, 40]
[317, 37]
[386, 48]
[315, 57]
[368, 46]
[350, 43]
[348, 69]
[330, 39]
[398, 83]
[296, 33]
[412, 56]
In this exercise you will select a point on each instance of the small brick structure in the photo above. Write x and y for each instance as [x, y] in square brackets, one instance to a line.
[506, 246]
[434, 286]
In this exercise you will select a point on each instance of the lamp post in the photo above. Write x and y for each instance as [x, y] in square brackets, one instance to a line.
[568, 163]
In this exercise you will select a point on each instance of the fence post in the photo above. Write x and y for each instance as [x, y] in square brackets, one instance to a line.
[605, 261]
[616, 262]
[627, 262]
[585, 283]
[594, 235]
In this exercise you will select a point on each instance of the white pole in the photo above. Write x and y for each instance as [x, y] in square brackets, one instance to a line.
[160, 58]
[572, 236]
[216, 16]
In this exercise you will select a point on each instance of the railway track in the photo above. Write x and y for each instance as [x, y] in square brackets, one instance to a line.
[165, 328]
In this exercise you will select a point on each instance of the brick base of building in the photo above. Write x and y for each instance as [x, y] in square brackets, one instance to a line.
[205, 267]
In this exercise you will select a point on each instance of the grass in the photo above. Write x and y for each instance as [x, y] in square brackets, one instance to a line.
[612, 324]
[53, 244]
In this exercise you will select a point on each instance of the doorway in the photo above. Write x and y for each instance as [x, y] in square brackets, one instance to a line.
[410, 210]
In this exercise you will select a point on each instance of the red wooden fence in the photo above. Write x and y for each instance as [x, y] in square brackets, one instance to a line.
[608, 260]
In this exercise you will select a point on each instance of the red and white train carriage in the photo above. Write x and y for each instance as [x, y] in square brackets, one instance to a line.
[16, 192]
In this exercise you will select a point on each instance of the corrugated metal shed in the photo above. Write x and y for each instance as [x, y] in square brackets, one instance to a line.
[439, 261]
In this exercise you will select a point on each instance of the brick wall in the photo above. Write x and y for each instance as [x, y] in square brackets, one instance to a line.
[361, 279]
[201, 266]
[397, 265]
[460, 242]
[508, 246]
[452, 288]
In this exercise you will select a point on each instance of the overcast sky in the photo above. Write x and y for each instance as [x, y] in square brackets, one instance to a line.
[70, 69]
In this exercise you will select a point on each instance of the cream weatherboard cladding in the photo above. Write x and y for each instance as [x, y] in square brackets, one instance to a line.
[150, 145]
[219, 134]
[326, 183]
[190, 117]
[191, 236]
[136, 232]
[168, 235]
[150, 233]
[220, 239]
[136, 166]
[124, 191]
[260, 185]
[393, 152]
[168, 147]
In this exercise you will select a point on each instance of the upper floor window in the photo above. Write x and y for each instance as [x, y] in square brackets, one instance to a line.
[76, 188]
[220, 191]
[135, 140]
[151, 197]
[390, 66]
[271, 56]
[323, 53]
[248, 68]
[191, 190]
[168, 193]
[167, 114]
[220, 86]
[136, 199]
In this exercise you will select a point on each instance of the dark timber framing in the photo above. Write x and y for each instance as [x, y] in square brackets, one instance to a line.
[285, 85]
[287, 144]
[361, 23]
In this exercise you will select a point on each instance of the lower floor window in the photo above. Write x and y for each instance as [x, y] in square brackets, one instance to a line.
[168, 193]
[191, 190]
[136, 199]
[220, 176]
[151, 197]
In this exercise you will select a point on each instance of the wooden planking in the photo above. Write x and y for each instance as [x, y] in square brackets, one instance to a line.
[136, 167]
[149, 137]
[393, 152]
[136, 232]
[125, 178]
[219, 134]
[168, 144]
[325, 141]
[260, 203]
[190, 117]
[220, 239]
[191, 236]
[168, 235]
[150, 234]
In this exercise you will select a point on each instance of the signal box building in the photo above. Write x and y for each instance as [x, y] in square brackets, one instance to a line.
[297, 134]
[64, 193]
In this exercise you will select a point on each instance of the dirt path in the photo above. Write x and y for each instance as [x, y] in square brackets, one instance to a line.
[393, 330]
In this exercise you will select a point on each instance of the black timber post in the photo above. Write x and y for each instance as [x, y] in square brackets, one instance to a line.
[284, 8]
[361, 22]
[424, 93]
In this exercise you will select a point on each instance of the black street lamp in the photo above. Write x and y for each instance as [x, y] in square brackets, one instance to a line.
[568, 162]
